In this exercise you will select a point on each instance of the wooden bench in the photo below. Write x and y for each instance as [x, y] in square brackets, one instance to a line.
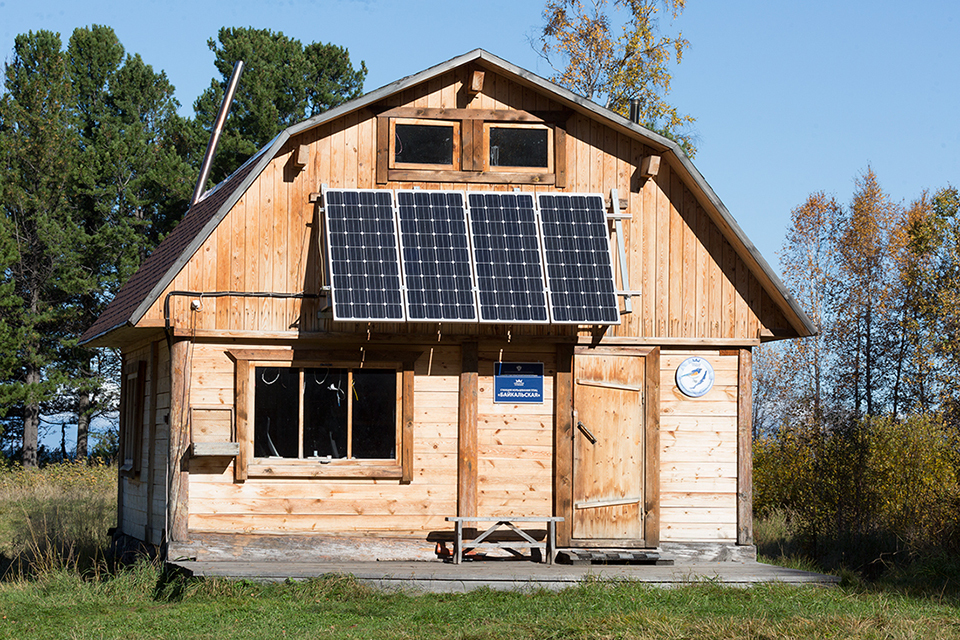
[525, 541]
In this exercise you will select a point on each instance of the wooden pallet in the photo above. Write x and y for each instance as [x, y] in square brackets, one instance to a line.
[611, 556]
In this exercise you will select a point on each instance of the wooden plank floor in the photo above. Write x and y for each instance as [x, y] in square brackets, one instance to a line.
[441, 577]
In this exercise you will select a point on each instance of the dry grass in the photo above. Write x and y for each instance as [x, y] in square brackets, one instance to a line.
[55, 518]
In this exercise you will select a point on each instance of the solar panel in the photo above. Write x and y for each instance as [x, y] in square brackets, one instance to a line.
[435, 252]
[362, 255]
[506, 250]
[578, 260]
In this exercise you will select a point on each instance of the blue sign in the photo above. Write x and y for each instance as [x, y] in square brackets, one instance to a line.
[518, 382]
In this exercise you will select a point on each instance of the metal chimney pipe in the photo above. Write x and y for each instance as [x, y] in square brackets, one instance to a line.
[635, 110]
[217, 130]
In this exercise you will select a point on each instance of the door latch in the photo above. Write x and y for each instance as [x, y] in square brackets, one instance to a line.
[592, 438]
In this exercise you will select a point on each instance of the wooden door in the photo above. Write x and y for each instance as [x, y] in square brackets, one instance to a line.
[608, 462]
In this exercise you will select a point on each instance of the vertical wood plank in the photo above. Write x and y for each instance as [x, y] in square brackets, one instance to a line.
[745, 448]
[663, 283]
[467, 431]
[563, 444]
[560, 156]
[383, 148]
[177, 496]
[651, 448]
[675, 257]
[368, 151]
[244, 436]
[407, 417]
[689, 214]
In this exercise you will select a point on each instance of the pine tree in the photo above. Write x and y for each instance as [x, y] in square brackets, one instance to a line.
[38, 155]
[283, 83]
[130, 186]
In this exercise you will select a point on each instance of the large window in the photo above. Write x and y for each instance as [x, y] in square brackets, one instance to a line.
[326, 413]
[322, 414]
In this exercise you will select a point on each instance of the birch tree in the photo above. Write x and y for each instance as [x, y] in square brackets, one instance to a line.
[611, 51]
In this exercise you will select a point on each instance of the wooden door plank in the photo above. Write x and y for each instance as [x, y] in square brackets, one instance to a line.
[563, 439]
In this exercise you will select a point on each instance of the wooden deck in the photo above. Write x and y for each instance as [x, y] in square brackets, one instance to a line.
[442, 577]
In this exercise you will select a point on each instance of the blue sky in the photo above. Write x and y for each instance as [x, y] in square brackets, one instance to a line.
[790, 97]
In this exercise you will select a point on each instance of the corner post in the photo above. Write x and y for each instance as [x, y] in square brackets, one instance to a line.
[178, 461]
[745, 448]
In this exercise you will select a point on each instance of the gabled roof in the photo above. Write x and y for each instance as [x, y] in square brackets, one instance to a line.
[158, 271]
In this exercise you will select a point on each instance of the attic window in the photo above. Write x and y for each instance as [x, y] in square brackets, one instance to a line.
[481, 146]
[424, 144]
[518, 146]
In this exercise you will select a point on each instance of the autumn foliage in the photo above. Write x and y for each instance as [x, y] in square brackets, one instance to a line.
[612, 51]
[857, 434]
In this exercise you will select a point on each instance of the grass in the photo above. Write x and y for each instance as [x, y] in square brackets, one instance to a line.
[52, 531]
[64, 605]
[55, 517]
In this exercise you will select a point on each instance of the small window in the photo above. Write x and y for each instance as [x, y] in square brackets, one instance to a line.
[425, 144]
[519, 146]
[133, 386]
[326, 413]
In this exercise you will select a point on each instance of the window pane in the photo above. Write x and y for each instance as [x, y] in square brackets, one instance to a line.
[325, 412]
[424, 144]
[276, 413]
[375, 413]
[518, 147]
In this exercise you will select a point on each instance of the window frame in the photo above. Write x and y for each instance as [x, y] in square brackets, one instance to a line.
[455, 152]
[132, 390]
[248, 466]
[488, 125]
[471, 149]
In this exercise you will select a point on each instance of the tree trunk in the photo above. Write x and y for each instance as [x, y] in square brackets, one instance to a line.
[83, 425]
[31, 420]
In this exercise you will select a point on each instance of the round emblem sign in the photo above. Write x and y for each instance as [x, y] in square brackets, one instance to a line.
[694, 377]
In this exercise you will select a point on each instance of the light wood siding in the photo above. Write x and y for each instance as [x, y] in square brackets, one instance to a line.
[698, 453]
[515, 441]
[693, 283]
[141, 498]
[282, 505]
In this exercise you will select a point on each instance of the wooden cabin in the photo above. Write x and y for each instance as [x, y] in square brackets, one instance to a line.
[468, 293]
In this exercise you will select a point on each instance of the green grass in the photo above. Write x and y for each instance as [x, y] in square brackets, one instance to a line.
[59, 585]
[137, 603]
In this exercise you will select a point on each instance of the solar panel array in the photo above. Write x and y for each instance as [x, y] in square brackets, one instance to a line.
[490, 257]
